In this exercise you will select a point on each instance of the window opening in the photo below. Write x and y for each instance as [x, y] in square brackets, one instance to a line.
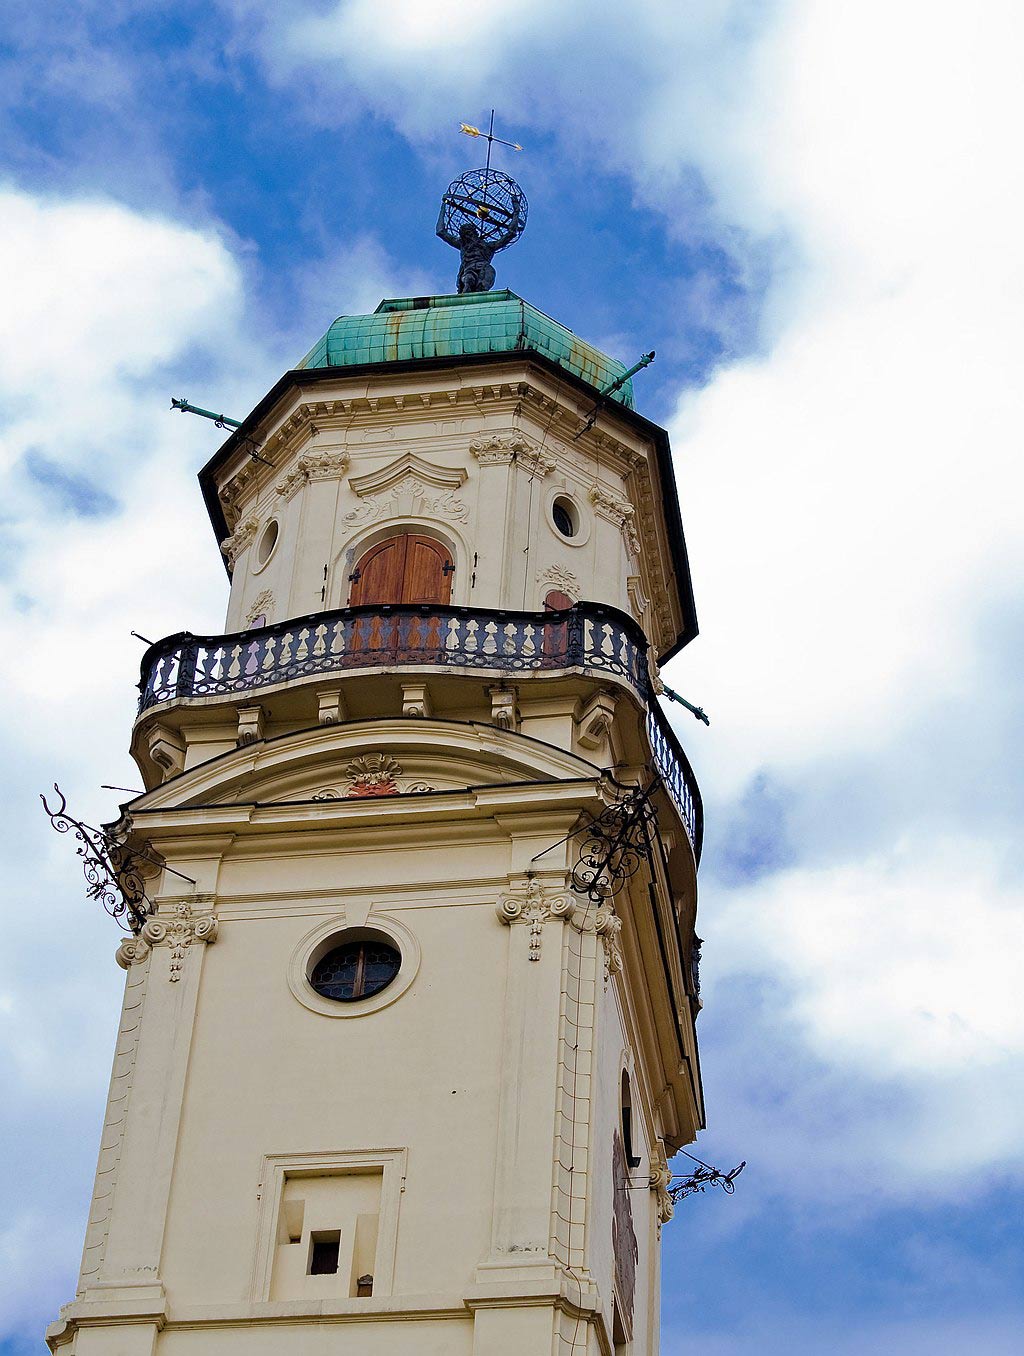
[324, 1247]
[632, 1158]
[267, 542]
[356, 969]
[563, 515]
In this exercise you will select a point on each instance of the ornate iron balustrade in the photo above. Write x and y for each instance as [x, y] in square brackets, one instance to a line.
[670, 760]
[599, 640]
[589, 636]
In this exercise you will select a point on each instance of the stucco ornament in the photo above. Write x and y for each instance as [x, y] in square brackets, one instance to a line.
[559, 578]
[262, 606]
[235, 492]
[242, 536]
[495, 449]
[411, 496]
[661, 1176]
[373, 774]
[528, 903]
[323, 464]
[619, 511]
[605, 923]
[179, 930]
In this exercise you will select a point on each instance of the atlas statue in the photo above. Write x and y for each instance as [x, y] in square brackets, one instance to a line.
[484, 211]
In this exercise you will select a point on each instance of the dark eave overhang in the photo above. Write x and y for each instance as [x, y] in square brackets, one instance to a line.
[302, 377]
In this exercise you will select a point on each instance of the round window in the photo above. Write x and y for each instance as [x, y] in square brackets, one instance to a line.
[356, 969]
[564, 517]
[267, 542]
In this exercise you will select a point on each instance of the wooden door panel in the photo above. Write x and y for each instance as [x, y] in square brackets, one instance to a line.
[427, 580]
[379, 573]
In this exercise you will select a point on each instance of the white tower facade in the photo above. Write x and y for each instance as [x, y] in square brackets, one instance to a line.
[408, 1032]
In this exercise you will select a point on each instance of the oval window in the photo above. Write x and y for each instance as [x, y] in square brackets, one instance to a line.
[267, 542]
[564, 517]
[356, 969]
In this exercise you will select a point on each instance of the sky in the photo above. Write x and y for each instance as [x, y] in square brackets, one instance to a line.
[814, 213]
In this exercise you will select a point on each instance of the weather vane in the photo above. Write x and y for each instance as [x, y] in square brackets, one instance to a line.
[484, 211]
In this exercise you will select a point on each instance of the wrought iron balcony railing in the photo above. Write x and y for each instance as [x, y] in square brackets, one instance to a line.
[598, 640]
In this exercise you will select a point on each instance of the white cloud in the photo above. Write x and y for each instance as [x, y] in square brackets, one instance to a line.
[851, 495]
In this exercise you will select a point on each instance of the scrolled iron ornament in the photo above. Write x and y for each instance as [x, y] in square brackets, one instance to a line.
[703, 1176]
[112, 871]
[613, 846]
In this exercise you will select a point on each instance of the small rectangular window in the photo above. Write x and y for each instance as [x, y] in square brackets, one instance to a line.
[324, 1245]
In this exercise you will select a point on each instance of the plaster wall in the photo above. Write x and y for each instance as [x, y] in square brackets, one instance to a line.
[483, 480]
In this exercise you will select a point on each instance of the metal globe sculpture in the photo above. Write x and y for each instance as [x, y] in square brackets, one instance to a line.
[484, 211]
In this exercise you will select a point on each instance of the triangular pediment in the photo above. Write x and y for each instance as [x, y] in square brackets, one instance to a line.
[408, 465]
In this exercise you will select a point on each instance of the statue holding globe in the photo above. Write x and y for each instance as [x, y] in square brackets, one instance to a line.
[484, 211]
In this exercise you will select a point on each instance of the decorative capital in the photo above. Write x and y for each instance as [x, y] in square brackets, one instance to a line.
[619, 511]
[131, 950]
[324, 464]
[495, 449]
[529, 903]
[242, 536]
[184, 926]
[605, 923]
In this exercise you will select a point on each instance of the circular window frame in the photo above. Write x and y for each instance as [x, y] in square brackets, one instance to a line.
[259, 566]
[580, 517]
[336, 932]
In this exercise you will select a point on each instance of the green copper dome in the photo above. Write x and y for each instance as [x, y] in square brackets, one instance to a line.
[445, 327]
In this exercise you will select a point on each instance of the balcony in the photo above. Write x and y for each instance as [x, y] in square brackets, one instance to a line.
[589, 639]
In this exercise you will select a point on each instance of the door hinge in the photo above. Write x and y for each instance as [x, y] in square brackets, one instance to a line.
[448, 568]
[355, 576]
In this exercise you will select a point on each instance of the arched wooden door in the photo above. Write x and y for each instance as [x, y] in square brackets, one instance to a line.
[403, 569]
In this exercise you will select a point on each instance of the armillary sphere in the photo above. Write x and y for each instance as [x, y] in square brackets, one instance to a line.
[489, 200]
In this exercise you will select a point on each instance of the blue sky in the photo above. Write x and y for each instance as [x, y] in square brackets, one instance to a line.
[813, 213]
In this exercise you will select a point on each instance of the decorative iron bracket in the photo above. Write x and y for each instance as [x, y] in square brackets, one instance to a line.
[614, 844]
[703, 1176]
[113, 871]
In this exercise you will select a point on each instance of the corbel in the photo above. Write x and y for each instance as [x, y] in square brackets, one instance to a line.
[416, 700]
[250, 724]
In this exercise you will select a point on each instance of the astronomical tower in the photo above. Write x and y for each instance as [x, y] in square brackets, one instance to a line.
[410, 987]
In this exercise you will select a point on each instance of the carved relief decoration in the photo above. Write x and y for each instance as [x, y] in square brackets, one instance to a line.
[561, 579]
[661, 1176]
[618, 511]
[262, 606]
[325, 464]
[235, 491]
[242, 536]
[374, 774]
[184, 927]
[409, 497]
[606, 924]
[502, 449]
[528, 903]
